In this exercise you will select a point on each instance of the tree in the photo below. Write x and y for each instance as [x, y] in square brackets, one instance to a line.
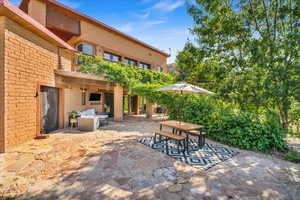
[257, 43]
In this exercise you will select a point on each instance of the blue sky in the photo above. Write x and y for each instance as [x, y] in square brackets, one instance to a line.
[162, 23]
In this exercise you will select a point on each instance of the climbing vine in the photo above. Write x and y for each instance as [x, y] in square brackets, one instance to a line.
[120, 73]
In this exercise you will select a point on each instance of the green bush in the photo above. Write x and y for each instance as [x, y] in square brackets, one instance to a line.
[226, 125]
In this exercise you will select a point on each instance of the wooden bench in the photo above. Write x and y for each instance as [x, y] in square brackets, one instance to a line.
[168, 136]
[200, 135]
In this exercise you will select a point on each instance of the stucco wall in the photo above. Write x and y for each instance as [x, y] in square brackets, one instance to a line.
[37, 10]
[119, 44]
[73, 99]
[29, 61]
[104, 39]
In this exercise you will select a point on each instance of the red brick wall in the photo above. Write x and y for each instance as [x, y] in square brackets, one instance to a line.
[29, 61]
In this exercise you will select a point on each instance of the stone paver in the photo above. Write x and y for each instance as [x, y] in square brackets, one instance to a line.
[110, 164]
[294, 143]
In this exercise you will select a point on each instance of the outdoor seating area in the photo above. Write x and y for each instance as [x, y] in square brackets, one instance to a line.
[178, 130]
[186, 143]
[90, 120]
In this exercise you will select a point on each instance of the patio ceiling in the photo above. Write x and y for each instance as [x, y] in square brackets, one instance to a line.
[82, 78]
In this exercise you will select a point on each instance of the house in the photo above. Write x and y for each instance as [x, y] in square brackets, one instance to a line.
[39, 44]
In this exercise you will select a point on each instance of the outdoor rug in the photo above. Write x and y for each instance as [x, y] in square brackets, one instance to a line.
[204, 158]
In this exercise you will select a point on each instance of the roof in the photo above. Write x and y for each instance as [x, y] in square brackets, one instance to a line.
[101, 24]
[80, 75]
[8, 9]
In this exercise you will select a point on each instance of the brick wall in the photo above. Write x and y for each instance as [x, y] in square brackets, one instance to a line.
[2, 84]
[29, 61]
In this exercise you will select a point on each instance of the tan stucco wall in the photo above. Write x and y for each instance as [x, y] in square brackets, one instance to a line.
[37, 10]
[73, 100]
[119, 45]
[66, 59]
[29, 61]
[104, 39]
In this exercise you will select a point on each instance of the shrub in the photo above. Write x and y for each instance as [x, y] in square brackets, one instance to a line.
[227, 125]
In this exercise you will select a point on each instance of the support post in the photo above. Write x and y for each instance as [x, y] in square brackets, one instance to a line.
[118, 102]
[149, 109]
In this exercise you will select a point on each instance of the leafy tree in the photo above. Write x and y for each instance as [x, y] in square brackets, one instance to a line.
[256, 45]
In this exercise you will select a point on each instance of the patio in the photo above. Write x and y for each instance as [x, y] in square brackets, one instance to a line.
[111, 164]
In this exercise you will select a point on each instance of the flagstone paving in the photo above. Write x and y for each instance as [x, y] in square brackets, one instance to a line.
[111, 164]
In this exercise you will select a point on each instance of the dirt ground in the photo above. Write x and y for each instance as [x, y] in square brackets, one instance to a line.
[111, 164]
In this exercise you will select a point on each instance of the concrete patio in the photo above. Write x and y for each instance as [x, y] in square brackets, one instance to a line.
[111, 164]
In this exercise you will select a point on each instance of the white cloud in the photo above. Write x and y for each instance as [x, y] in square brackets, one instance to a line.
[168, 5]
[126, 28]
[143, 15]
[151, 23]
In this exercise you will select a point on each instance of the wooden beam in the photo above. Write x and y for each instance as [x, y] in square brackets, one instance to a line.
[87, 82]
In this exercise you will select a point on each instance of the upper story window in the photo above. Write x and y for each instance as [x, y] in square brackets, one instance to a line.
[86, 49]
[159, 69]
[129, 61]
[111, 57]
[144, 66]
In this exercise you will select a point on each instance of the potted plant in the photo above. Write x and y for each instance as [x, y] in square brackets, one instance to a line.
[73, 117]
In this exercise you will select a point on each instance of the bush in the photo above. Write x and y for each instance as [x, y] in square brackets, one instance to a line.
[224, 124]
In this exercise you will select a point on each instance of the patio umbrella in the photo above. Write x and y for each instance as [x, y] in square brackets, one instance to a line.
[184, 88]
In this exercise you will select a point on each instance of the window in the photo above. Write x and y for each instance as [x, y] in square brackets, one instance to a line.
[144, 66]
[159, 69]
[86, 49]
[129, 61]
[111, 57]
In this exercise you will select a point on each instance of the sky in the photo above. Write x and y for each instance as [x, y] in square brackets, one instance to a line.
[163, 24]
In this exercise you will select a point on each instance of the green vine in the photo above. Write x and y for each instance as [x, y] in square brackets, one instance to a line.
[123, 74]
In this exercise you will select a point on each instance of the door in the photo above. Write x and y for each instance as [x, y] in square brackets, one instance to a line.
[109, 102]
[49, 99]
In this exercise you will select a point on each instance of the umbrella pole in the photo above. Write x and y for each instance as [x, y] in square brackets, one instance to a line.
[181, 106]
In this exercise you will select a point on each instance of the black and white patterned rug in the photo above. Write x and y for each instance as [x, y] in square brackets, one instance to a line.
[204, 158]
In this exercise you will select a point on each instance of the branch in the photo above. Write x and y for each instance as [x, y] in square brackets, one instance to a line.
[255, 20]
[275, 21]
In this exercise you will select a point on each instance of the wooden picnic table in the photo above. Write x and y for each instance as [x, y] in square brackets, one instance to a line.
[181, 127]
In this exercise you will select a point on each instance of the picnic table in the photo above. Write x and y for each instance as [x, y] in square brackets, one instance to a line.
[179, 127]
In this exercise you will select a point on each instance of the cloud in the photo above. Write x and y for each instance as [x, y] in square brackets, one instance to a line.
[126, 28]
[151, 23]
[142, 15]
[168, 5]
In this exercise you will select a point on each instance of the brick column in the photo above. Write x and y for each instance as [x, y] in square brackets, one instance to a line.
[118, 102]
